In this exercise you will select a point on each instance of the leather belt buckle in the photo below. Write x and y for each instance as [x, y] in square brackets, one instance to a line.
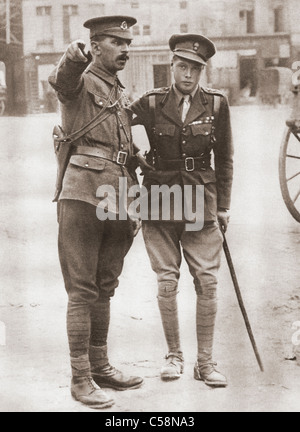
[189, 164]
[122, 158]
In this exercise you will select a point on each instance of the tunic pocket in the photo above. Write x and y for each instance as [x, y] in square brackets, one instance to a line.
[97, 99]
[201, 129]
[164, 129]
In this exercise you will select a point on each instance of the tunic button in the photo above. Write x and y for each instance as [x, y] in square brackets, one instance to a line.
[183, 142]
[122, 146]
[184, 129]
[183, 154]
[86, 164]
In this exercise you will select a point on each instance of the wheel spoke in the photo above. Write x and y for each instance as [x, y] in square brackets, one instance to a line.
[297, 196]
[292, 156]
[291, 178]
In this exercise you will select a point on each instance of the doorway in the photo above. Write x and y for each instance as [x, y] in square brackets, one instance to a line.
[248, 75]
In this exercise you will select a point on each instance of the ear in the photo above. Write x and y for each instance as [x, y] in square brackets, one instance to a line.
[96, 50]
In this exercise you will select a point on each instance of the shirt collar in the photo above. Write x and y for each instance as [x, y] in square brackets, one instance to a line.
[105, 75]
[180, 95]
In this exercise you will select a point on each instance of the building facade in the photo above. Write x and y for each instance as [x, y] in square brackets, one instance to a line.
[11, 55]
[249, 34]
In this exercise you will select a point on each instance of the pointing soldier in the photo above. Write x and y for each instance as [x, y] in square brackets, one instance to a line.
[185, 123]
[95, 112]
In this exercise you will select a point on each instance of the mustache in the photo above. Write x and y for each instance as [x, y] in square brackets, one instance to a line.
[123, 57]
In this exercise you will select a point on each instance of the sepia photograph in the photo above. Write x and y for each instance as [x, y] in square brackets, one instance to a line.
[149, 208]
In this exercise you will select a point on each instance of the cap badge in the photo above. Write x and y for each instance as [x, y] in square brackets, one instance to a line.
[196, 46]
[124, 25]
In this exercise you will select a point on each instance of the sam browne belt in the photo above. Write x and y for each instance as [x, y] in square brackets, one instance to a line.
[188, 164]
[119, 157]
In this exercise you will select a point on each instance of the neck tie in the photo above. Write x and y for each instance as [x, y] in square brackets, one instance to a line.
[185, 107]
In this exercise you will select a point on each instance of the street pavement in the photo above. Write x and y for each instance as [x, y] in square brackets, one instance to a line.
[265, 246]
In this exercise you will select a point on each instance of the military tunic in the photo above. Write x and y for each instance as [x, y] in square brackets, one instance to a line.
[199, 135]
[83, 92]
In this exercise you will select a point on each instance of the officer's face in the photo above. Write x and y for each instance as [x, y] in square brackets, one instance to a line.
[186, 75]
[112, 53]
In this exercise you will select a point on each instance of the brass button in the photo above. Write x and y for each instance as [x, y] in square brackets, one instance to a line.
[183, 142]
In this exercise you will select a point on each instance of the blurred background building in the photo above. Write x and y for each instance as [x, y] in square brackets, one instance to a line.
[250, 35]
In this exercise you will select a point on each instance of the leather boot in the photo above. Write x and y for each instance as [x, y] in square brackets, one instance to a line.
[106, 375]
[86, 391]
[173, 368]
[209, 374]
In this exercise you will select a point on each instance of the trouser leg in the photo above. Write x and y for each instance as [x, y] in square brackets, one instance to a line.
[80, 235]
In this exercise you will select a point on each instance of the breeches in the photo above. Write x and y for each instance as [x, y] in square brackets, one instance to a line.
[91, 251]
[201, 249]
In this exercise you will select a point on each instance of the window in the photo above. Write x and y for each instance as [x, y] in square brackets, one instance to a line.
[135, 5]
[183, 4]
[43, 11]
[183, 28]
[136, 30]
[70, 23]
[146, 30]
[44, 26]
[278, 20]
[250, 21]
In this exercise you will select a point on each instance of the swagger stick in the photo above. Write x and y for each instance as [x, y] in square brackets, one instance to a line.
[240, 300]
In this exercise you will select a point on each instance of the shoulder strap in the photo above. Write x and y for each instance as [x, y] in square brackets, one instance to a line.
[152, 111]
[216, 108]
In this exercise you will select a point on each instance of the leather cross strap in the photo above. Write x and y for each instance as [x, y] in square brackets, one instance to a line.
[99, 118]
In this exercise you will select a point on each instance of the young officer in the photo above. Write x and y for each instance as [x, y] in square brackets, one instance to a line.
[185, 123]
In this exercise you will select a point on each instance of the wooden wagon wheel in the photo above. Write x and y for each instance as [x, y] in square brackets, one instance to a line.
[289, 170]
